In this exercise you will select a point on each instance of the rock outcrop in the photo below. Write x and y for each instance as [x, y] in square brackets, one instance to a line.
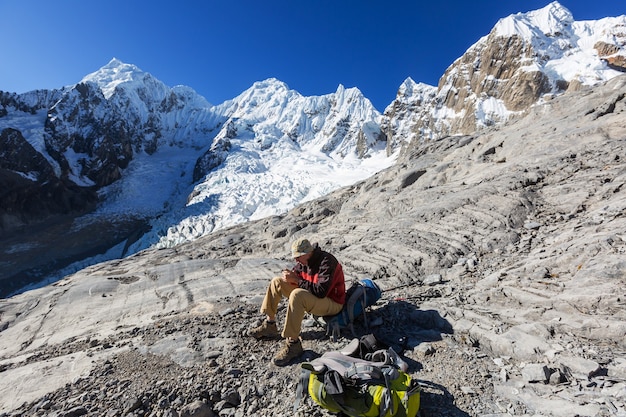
[610, 53]
[30, 189]
[518, 64]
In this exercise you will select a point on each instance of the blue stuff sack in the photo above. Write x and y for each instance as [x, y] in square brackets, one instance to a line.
[361, 294]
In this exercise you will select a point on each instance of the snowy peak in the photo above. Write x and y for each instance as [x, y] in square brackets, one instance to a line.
[409, 89]
[567, 52]
[269, 95]
[113, 74]
[274, 150]
[552, 20]
[271, 98]
[552, 33]
[352, 101]
[269, 112]
[117, 113]
[119, 78]
[411, 106]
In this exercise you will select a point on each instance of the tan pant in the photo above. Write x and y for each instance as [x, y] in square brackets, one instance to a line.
[300, 302]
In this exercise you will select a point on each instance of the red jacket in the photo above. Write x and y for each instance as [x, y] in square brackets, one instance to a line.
[322, 276]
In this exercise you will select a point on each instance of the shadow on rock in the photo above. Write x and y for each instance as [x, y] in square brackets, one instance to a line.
[403, 325]
[399, 324]
[437, 401]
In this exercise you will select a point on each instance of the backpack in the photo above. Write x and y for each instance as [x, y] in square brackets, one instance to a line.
[346, 383]
[359, 295]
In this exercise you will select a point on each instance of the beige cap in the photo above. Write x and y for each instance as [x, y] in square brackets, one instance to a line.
[301, 247]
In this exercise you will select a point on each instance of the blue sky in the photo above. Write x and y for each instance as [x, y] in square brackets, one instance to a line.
[220, 48]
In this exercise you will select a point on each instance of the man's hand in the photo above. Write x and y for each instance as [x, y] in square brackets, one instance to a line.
[290, 277]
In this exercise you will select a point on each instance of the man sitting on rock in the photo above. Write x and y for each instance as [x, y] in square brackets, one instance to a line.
[315, 285]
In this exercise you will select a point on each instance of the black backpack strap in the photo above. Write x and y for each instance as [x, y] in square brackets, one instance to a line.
[387, 401]
[333, 330]
[301, 388]
[358, 296]
[333, 383]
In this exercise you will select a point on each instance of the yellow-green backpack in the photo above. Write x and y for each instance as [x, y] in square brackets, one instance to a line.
[379, 387]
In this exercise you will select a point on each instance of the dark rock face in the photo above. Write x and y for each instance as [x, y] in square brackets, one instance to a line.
[30, 190]
[16, 154]
[29, 102]
[24, 202]
[104, 141]
[211, 159]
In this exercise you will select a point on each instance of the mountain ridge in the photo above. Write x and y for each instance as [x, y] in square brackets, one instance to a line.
[167, 158]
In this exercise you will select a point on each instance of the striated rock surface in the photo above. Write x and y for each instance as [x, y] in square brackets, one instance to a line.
[502, 257]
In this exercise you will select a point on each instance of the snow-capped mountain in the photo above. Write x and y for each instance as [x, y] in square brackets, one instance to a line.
[181, 167]
[525, 59]
[275, 149]
[99, 125]
[167, 157]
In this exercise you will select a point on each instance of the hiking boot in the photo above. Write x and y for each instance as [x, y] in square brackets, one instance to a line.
[266, 330]
[289, 352]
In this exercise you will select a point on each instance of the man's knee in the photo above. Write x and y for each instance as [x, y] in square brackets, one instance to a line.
[275, 283]
[298, 296]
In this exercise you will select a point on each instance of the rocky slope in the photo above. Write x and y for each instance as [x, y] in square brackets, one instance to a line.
[501, 255]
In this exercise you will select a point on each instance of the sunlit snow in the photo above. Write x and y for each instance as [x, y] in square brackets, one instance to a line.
[285, 149]
[568, 45]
